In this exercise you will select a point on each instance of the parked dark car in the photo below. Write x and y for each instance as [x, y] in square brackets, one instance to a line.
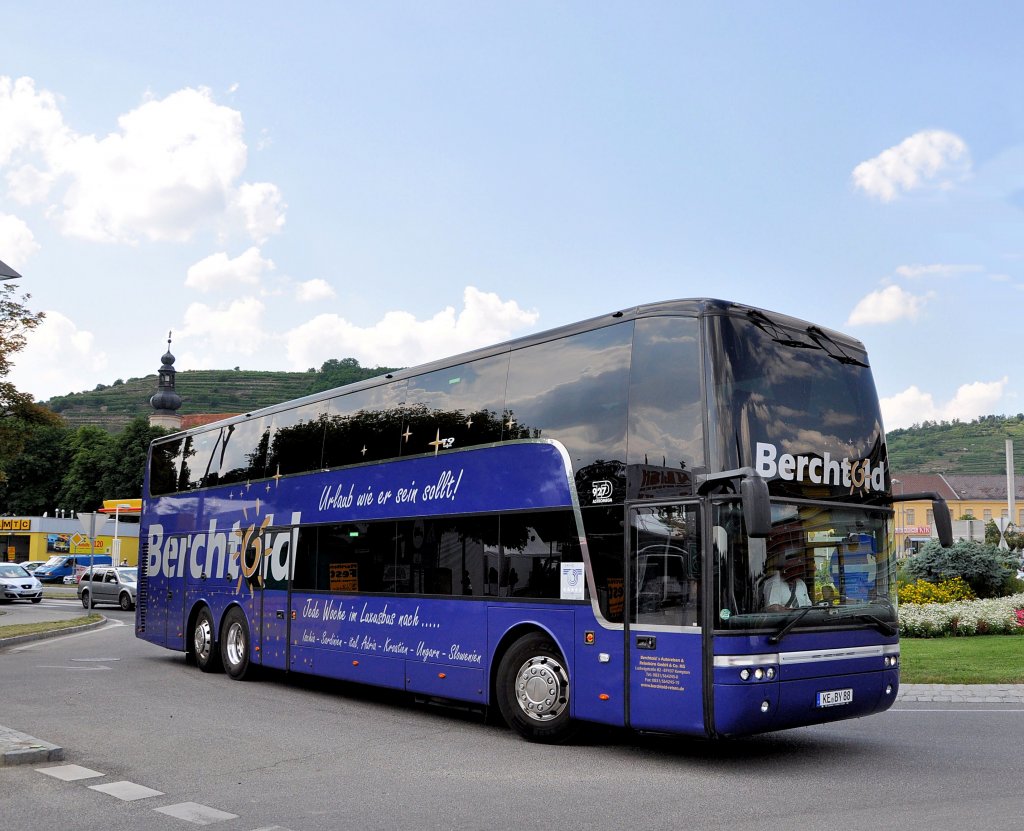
[109, 584]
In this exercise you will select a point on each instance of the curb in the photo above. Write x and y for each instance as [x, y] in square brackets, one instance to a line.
[53, 633]
[22, 749]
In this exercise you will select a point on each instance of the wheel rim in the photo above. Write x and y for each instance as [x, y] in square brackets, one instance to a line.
[234, 644]
[203, 639]
[542, 688]
[126, 602]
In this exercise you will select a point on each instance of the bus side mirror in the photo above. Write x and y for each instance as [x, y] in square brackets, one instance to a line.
[943, 522]
[757, 509]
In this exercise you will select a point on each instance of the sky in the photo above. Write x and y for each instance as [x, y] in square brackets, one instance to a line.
[278, 185]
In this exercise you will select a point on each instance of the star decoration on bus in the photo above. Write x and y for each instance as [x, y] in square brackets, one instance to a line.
[437, 443]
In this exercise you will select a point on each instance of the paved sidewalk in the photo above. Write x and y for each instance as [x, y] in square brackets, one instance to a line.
[962, 693]
[17, 748]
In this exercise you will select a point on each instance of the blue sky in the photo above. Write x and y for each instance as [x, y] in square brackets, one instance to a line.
[397, 182]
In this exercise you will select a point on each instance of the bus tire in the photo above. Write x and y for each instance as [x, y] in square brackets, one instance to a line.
[234, 644]
[204, 644]
[533, 690]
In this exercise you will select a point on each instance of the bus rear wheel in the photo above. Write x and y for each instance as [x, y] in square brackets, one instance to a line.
[204, 645]
[234, 644]
[533, 690]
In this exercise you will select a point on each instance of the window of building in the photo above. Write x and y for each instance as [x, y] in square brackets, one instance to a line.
[986, 514]
[911, 518]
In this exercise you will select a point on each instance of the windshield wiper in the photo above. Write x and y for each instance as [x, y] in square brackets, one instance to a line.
[882, 626]
[776, 333]
[793, 621]
[841, 356]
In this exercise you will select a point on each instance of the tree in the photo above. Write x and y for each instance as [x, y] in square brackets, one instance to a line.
[122, 477]
[91, 453]
[18, 410]
[34, 476]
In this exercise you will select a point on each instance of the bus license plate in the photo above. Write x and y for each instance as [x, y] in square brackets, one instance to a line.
[833, 698]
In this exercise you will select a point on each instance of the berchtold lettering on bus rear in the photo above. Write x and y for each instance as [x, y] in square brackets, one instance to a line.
[856, 474]
[255, 550]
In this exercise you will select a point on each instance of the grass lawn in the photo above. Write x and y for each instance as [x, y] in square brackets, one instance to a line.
[11, 631]
[979, 659]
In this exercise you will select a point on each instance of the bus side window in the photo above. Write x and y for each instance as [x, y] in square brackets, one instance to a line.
[575, 389]
[364, 426]
[296, 439]
[666, 428]
[458, 407]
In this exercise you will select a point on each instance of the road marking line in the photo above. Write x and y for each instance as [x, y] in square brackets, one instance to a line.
[70, 773]
[195, 813]
[126, 791]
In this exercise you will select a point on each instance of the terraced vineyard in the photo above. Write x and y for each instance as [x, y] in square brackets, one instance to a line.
[203, 391]
[978, 446]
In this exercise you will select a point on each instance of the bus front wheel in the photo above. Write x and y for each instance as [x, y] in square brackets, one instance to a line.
[533, 690]
[204, 645]
[234, 644]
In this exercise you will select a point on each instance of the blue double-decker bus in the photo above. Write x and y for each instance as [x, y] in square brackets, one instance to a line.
[674, 518]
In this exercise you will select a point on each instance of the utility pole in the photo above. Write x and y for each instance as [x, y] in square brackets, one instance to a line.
[1011, 483]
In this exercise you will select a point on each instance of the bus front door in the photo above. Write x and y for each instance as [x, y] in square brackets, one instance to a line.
[663, 630]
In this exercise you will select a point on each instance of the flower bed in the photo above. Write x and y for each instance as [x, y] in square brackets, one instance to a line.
[998, 616]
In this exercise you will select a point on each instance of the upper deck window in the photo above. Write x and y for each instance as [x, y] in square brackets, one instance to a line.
[799, 394]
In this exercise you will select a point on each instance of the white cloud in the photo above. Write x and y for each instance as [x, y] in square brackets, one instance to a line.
[262, 209]
[914, 272]
[170, 169]
[17, 242]
[912, 406]
[31, 120]
[930, 158]
[313, 290]
[887, 305]
[235, 328]
[58, 358]
[399, 339]
[219, 272]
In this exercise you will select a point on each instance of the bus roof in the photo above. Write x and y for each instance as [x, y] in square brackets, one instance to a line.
[704, 306]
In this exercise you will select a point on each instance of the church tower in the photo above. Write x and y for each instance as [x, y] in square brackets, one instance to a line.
[166, 401]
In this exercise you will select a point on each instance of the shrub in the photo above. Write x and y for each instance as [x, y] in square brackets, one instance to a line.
[985, 568]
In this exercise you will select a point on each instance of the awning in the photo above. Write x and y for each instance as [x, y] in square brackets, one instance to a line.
[8, 273]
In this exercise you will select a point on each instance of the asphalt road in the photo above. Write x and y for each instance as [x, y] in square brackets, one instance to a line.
[302, 754]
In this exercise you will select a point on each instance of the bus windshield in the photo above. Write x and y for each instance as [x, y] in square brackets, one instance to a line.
[780, 395]
[830, 565]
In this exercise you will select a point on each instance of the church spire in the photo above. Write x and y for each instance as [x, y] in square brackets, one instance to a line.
[166, 401]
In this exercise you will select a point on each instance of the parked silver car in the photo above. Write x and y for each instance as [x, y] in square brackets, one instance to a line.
[109, 584]
[18, 584]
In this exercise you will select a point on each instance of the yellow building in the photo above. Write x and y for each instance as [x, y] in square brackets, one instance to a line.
[981, 498]
[42, 537]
